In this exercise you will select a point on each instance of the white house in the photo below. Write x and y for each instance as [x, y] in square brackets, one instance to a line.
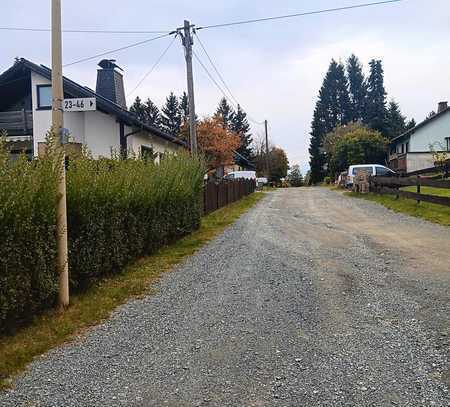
[25, 113]
[412, 150]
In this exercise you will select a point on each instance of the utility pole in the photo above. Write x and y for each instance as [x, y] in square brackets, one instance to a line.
[57, 124]
[267, 150]
[188, 41]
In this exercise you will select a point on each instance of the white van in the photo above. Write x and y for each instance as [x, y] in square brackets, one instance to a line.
[241, 175]
[371, 169]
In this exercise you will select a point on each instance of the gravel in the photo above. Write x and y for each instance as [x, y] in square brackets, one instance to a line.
[295, 304]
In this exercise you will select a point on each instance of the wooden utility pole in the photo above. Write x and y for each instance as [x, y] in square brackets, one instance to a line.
[57, 125]
[188, 41]
[267, 151]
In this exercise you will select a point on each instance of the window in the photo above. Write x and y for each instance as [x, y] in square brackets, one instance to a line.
[407, 147]
[44, 97]
[147, 153]
[383, 171]
[369, 170]
[447, 139]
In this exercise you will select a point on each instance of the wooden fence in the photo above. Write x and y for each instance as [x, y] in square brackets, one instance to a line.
[392, 185]
[219, 194]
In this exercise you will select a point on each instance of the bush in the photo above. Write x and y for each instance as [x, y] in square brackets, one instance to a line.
[118, 210]
[327, 180]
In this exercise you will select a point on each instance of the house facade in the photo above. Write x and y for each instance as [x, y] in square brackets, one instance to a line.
[26, 110]
[412, 150]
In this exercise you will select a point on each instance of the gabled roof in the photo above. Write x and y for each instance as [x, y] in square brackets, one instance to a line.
[243, 161]
[422, 124]
[75, 90]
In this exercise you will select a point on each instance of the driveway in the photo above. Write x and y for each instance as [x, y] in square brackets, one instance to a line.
[310, 299]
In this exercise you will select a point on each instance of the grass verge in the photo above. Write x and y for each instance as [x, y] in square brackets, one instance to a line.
[434, 213]
[96, 304]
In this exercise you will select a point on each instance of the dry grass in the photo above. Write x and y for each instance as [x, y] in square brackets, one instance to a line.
[96, 304]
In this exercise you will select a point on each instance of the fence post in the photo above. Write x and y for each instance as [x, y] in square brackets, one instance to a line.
[418, 189]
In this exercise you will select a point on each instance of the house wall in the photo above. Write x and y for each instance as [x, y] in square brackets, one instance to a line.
[418, 161]
[160, 146]
[99, 131]
[432, 133]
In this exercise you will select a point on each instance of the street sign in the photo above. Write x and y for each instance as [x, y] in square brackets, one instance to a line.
[79, 104]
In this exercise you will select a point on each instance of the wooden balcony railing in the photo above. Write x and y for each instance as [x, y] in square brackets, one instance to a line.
[17, 123]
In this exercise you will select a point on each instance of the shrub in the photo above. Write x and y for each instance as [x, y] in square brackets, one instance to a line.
[327, 180]
[118, 210]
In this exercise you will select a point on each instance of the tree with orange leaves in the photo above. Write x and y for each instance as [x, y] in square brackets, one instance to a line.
[217, 143]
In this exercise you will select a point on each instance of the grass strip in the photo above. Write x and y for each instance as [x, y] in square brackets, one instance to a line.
[95, 305]
[431, 212]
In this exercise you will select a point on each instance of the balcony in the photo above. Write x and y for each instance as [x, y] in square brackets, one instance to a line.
[17, 123]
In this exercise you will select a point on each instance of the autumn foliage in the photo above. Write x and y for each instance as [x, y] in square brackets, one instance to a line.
[216, 142]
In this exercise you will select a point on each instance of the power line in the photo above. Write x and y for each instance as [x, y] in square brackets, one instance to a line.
[31, 29]
[118, 49]
[218, 86]
[153, 67]
[308, 13]
[215, 68]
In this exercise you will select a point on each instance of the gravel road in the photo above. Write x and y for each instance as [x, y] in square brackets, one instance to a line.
[310, 299]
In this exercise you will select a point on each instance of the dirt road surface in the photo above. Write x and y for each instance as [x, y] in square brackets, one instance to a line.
[310, 299]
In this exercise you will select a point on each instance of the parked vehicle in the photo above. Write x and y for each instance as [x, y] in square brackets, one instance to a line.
[371, 169]
[261, 181]
[241, 175]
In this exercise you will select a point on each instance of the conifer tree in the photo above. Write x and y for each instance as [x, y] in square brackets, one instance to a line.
[184, 108]
[395, 121]
[171, 116]
[152, 114]
[225, 112]
[332, 109]
[375, 116]
[357, 88]
[239, 125]
[138, 109]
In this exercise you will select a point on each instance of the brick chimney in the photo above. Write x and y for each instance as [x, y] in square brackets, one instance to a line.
[110, 82]
[442, 106]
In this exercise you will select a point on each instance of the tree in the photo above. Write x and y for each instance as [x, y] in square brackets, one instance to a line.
[171, 117]
[375, 115]
[359, 146]
[295, 176]
[395, 121]
[239, 125]
[138, 108]
[184, 108]
[225, 112]
[278, 164]
[216, 142]
[332, 109]
[146, 112]
[357, 88]
[152, 114]
[411, 124]
[332, 139]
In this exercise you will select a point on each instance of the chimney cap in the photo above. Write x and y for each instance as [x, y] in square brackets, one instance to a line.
[109, 64]
[442, 106]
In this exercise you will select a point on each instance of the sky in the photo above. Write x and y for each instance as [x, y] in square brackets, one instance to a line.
[274, 69]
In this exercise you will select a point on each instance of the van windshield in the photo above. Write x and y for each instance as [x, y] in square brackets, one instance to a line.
[366, 169]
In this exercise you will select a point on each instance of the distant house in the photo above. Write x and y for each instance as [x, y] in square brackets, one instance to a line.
[411, 150]
[25, 113]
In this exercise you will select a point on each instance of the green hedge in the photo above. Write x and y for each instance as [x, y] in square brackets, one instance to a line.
[118, 210]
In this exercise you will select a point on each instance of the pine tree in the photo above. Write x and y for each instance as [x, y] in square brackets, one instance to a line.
[152, 114]
[332, 109]
[375, 116]
[239, 125]
[357, 88]
[184, 108]
[171, 116]
[138, 109]
[225, 112]
[395, 121]
[411, 124]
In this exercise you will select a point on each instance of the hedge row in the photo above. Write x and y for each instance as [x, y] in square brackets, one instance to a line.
[118, 210]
